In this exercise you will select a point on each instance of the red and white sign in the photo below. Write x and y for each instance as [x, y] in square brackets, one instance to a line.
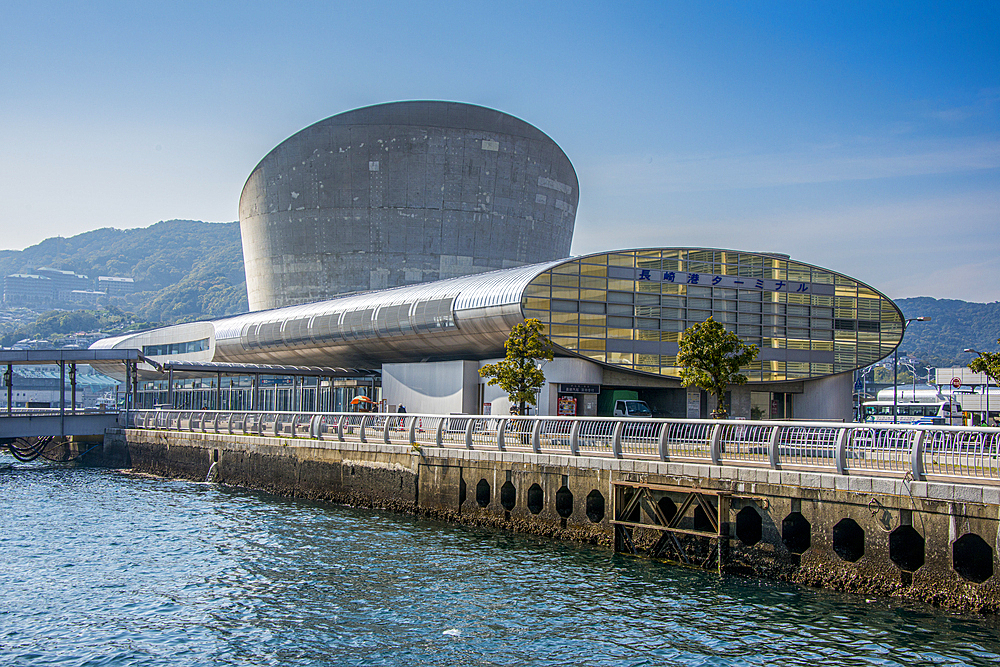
[956, 382]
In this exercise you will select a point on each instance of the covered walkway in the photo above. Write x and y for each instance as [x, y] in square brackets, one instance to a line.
[212, 385]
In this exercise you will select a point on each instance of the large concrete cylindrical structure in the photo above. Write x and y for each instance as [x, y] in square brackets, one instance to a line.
[402, 193]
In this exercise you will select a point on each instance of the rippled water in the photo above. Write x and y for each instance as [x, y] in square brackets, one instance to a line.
[102, 568]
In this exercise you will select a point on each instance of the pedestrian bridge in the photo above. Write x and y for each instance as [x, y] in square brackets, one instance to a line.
[53, 422]
[66, 419]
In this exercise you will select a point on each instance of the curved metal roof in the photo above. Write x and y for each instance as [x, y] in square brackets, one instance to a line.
[480, 290]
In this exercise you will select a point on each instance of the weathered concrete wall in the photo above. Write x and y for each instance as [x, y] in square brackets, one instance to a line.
[936, 542]
[826, 398]
[402, 193]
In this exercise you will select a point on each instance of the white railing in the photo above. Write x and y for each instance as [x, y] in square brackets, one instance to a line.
[860, 449]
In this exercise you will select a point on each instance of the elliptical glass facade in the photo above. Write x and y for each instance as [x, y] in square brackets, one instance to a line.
[628, 309]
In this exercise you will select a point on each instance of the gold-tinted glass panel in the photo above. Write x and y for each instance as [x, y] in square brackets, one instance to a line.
[854, 323]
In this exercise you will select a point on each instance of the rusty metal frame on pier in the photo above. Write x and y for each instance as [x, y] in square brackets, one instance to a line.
[629, 498]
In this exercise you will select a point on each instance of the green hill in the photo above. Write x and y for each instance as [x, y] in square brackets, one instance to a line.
[183, 269]
[955, 325]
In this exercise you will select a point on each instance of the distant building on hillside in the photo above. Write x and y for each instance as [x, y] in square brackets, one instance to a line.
[85, 297]
[115, 286]
[53, 287]
[65, 282]
[28, 289]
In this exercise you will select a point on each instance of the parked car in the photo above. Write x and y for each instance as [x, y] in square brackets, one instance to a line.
[632, 408]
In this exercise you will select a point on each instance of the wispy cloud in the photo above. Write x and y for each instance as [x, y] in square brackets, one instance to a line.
[985, 104]
[860, 160]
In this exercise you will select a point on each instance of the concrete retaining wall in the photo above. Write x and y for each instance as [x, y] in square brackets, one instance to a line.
[936, 542]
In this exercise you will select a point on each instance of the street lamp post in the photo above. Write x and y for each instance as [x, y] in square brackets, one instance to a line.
[895, 367]
[976, 352]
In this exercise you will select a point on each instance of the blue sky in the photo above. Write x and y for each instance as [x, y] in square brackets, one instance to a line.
[859, 136]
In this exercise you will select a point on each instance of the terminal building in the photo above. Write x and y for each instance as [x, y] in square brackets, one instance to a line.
[615, 317]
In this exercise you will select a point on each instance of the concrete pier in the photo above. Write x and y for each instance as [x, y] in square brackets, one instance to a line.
[930, 541]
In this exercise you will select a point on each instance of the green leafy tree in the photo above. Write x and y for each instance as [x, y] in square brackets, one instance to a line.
[711, 357]
[987, 362]
[517, 374]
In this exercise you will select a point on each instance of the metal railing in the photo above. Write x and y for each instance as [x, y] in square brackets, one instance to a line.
[954, 452]
[48, 412]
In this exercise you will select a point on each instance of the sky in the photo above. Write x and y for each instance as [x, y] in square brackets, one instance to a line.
[863, 137]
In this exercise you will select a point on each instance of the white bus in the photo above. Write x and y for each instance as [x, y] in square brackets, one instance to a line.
[942, 411]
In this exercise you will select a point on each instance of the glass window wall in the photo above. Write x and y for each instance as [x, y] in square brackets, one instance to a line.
[627, 309]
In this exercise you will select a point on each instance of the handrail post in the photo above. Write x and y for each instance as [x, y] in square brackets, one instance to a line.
[361, 429]
[536, 436]
[501, 431]
[411, 434]
[715, 448]
[340, 427]
[842, 450]
[385, 429]
[468, 434]
[314, 426]
[773, 452]
[917, 456]
[574, 437]
[274, 429]
[663, 445]
[616, 440]
[440, 431]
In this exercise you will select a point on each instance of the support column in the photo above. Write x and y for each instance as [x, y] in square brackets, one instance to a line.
[72, 384]
[128, 383]
[62, 388]
[135, 384]
[170, 388]
[8, 379]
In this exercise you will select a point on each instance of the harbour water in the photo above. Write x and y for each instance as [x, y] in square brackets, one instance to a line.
[99, 567]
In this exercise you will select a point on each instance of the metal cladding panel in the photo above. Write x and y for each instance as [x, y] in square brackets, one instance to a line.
[402, 193]
[469, 316]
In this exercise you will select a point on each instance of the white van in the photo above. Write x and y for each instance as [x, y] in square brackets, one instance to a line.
[632, 408]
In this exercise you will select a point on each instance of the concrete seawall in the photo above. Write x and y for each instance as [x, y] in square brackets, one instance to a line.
[931, 541]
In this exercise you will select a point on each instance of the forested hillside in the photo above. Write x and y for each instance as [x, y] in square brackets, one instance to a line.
[954, 326]
[183, 269]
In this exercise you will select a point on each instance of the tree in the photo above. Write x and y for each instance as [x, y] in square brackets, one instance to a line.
[987, 362]
[517, 374]
[711, 357]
